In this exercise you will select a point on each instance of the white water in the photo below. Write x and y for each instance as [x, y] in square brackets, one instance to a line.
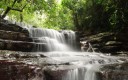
[58, 43]
[84, 73]
[85, 64]
[81, 65]
[71, 37]
[54, 40]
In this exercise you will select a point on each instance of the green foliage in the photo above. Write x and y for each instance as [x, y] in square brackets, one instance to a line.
[81, 15]
[98, 15]
[119, 18]
[41, 13]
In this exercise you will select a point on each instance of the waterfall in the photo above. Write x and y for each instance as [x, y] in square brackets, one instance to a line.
[87, 65]
[58, 47]
[70, 37]
[84, 73]
[52, 40]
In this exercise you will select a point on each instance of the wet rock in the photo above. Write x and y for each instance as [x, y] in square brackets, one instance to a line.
[121, 36]
[2, 45]
[124, 47]
[22, 46]
[10, 35]
[14, 55]
[14, 70]
[54, 74]
[43, 47]
[108, 42]
[101, 37]
[19, 46]
[42, 56]
[113, 43]
[14, 37]
[115, 72]
[15, 27]
[103, 42]
[16, 45]
[110, 49]
[98, 75]
[12, 27]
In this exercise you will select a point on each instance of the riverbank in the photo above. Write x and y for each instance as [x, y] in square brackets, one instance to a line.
[61, 66]
[108, 42]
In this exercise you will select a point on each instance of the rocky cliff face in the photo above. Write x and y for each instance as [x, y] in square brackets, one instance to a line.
[14, 37]
[109, 42]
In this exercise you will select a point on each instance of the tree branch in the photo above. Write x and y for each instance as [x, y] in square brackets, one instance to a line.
[6, 12]
[14, 3]
[16, 9]
[24, 6]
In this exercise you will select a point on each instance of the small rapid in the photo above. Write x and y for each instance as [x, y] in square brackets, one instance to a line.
[80, 65]
[61, 52]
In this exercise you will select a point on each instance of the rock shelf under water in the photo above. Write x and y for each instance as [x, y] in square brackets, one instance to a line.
[56, 66]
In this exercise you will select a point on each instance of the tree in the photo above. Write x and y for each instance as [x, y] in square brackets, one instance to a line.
[82, 15]
[12, 7]
[46, 13]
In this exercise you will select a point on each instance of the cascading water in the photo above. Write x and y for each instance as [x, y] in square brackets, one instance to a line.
[53, 40]
[87, 64]
[70, 38]
[57, 43]
[84, 73]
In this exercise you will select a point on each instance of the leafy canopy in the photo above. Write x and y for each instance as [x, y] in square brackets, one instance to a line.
[81, 15]
[41, 13]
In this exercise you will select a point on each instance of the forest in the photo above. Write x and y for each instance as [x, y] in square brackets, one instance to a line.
[80, 15]
[63, 40]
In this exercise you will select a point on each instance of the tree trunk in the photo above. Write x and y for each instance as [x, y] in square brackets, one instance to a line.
[75, 19]
[8, 9]
[6, 12]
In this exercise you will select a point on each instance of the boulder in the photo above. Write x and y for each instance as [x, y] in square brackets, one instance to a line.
[54, 75]
[115, 71]
[15, 70]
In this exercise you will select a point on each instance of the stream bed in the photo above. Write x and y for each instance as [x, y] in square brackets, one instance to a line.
[62, 66]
